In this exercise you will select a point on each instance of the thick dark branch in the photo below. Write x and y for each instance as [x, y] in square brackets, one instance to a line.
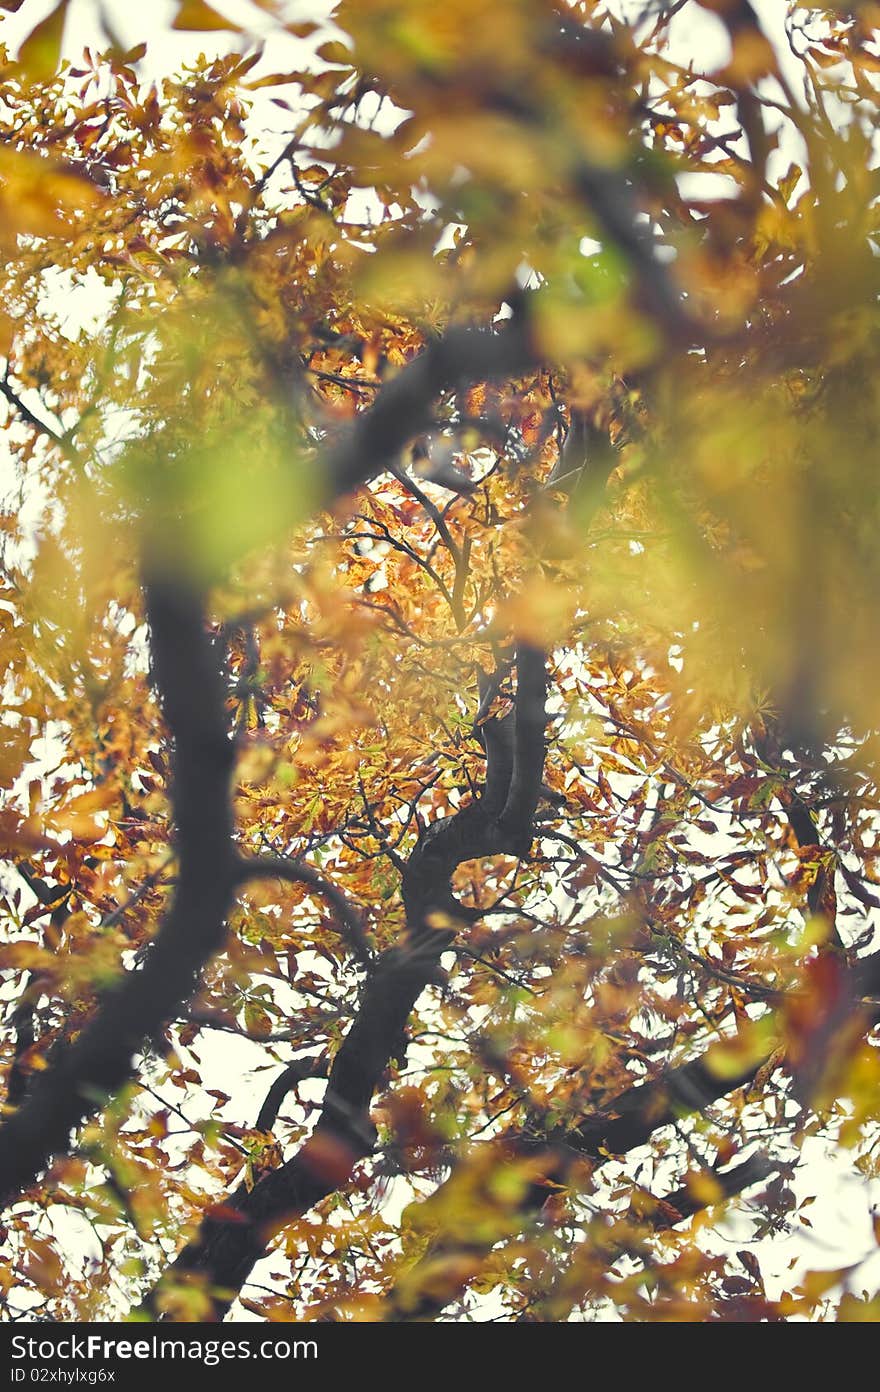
[528, 748]
[613, 201]
[627, 1122]
[585, 463]
[726, 1183]
[631, 1119]
[402, 409]
[497, 737]
[499, 821]
[296, 1072]
[296, 871]
[82, 1074]
[231, 1241]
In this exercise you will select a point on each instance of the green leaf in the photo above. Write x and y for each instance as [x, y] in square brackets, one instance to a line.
[40, 53]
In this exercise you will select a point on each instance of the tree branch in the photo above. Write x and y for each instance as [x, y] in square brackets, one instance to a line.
[528, 747]
[82, 1074]
[296, 1072]
[232, 1239]
[296, 871]
[402, 408]
[628, 1121]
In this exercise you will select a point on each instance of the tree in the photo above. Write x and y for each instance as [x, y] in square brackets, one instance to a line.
[439, 661]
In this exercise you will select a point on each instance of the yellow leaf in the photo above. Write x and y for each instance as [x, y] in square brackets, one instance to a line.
[25, 956]
[334, 52]
[41, 50]
[705, 1188]
[817, 1283]
[196, 15]
[752, 58]
[36, 193]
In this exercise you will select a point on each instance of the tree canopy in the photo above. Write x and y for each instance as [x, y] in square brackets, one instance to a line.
[438, 631]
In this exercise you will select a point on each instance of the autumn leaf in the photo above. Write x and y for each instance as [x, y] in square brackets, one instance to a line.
[197, 15]
[438, 595]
